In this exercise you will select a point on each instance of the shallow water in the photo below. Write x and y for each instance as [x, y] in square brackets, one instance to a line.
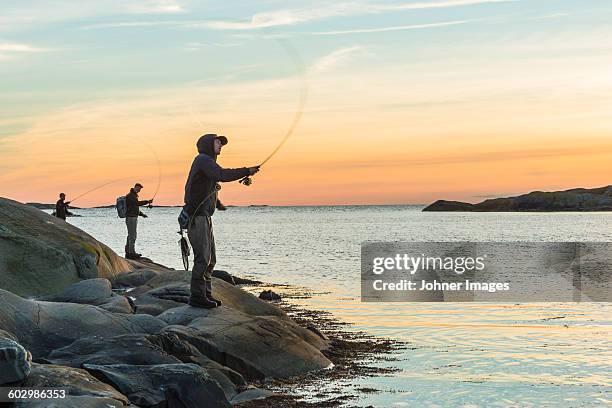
[459, 354]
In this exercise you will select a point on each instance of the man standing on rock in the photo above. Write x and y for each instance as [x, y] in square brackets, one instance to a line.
[200, 203]
[132, 213]
[61, 207]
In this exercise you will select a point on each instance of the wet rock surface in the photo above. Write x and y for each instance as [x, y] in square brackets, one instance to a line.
[15, 361]
[175, 385]
[89, 291]
[42, 327]
[79, 385]
[256, 346]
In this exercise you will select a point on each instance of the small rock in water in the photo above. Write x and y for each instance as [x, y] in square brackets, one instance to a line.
[226, 276]
[15, 361]
[234, 280]
[269, 295]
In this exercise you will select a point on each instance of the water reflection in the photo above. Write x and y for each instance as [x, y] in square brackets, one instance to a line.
[459, 354]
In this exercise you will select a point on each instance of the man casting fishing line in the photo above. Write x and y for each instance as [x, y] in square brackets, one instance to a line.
[200, 203]
[131, 220]
[61, 207]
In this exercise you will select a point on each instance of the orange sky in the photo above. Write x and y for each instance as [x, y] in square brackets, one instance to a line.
[353, 156]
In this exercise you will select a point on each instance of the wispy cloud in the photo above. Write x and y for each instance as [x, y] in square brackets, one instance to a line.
[22, 15]
[132, 24]
[155, 7]
[296, 16]
[551, 16]
[437, 4]
[7, 50]
[334, 58]
[289, 17]
[197, 46]
[278, 18]
[393, 28]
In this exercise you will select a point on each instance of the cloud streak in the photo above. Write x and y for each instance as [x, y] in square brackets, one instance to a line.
[393, 28]
[155, 7]
[295, 16]
[290, 17]
[7, 50]
[333, 59]
[24, 14]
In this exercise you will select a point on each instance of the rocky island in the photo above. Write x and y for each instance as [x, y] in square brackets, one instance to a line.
[577, 199]
[112, 333]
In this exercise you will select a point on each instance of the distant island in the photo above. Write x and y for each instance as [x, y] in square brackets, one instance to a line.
[577, 199]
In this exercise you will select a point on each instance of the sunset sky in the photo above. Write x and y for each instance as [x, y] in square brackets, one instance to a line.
[407, 101]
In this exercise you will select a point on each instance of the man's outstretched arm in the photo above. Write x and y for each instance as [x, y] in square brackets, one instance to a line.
[218, 173]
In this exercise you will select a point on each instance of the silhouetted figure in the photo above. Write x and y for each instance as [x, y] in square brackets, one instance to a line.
[61, 207]
[200, 202]
[131, 219]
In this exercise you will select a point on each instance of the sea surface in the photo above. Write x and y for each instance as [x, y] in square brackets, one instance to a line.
[459, 354]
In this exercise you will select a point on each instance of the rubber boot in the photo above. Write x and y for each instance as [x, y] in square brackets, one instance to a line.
[209, 292]
[198, 295]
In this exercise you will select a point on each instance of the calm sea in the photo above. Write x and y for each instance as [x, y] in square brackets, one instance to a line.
[464, 355]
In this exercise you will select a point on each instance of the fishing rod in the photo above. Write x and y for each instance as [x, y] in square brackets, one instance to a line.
[186, 220]
[96, 188]
[293, 54]
[159, 172]
[159, 179]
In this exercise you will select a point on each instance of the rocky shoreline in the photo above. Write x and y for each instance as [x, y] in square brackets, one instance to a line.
[114, 333]
[577, 199]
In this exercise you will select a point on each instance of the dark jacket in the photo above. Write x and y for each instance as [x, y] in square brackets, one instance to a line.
[132, 204]
[61, 209]
[204, 175]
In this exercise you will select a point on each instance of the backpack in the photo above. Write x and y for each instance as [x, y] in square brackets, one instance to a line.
[121, 207]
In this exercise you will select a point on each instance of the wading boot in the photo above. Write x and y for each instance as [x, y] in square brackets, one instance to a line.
[209, 292]
[198, 296]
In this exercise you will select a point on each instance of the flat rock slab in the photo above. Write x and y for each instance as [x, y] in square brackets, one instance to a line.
[229, 380]
[178, 292]
[250, 395]
[137, 277]
[15, 361]
[42, 327]
[118, 304]
[79, 385]
[89, 291]
[141, 349]
[167, 291]
[132, 349]
[152, 305]
[172, 385]
[255, 346]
